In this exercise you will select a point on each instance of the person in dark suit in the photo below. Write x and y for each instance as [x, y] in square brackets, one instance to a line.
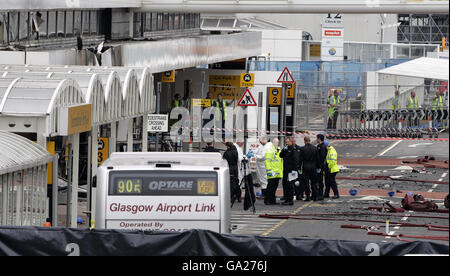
[291, 161]
[309, 165]
[232, 157]
[322, 152]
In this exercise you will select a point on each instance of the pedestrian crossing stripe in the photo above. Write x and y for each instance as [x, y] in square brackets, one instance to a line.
[247, 223]
[247, 99]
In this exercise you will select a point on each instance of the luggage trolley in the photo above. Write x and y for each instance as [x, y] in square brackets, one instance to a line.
[163, 192]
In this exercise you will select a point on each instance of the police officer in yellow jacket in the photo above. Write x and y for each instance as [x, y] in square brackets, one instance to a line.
[331, 171]
[274, 170]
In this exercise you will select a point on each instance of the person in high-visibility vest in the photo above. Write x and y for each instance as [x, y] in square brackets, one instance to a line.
[438, 102]
[396, 100]
[221, 110]
[274, 171]
[412, 102]
[178, 102]
[438, 106]
[333, 109]
[332, 170]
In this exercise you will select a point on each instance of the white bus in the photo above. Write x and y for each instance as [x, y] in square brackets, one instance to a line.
[163, 192]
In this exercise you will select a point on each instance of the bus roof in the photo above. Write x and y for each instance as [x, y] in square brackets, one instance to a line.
[179, 158]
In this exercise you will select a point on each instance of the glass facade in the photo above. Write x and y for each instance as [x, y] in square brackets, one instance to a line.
[31, 29]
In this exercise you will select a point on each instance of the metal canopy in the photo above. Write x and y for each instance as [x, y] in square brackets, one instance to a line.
[40, 98]
[18, 153]
[116, 93]
[90, 84]
[427, 68]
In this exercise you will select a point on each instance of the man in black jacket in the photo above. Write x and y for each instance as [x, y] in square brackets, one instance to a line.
[210, 147]
[322, 151]
[232, 157]
[309, 164]
[291, 161]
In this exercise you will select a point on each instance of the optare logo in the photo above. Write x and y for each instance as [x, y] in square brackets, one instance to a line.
[373, 3]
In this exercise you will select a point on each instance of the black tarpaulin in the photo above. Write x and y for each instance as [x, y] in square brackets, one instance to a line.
[38, 241]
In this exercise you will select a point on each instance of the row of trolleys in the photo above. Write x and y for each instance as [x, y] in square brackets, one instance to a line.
[163, 192]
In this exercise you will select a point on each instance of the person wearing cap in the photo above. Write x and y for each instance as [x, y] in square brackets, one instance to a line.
[331, 171]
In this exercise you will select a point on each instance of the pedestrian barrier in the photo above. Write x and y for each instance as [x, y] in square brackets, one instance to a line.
[42, 241]
[403, 123]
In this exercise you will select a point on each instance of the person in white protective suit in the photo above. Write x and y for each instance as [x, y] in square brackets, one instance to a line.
[261, 173]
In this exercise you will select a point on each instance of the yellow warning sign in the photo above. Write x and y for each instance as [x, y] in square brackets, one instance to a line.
[168, 76]
[274, 95]
[290, 91]
[247, 80]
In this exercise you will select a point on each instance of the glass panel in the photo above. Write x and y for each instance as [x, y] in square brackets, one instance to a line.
[166, 22]
[94, 23]
[154, 21]
[60, 16]
[402, 52]
[176, 22]
[11, 200]
[187, 21]
[77, 23]
[69, 23]
[27, 182]
[148, 22]
[43, 26]
[160, 22]
[171, 21]
[197, 20]
[51, 24]
[19, 196]
[182, 26]
[23, 26]
[34, 197]
[86, 24]
[417, 51]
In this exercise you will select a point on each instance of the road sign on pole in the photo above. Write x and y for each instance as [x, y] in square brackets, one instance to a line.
[247, 99]
[247, 80]
[286, 77]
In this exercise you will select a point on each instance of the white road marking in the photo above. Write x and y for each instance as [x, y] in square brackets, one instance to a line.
[247, 223]
[398, 227]
[435, 185]
[391, 147]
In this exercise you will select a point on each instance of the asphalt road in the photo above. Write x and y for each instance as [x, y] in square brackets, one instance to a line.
[376, 193]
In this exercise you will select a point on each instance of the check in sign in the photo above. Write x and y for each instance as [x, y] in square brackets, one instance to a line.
[158, 123]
